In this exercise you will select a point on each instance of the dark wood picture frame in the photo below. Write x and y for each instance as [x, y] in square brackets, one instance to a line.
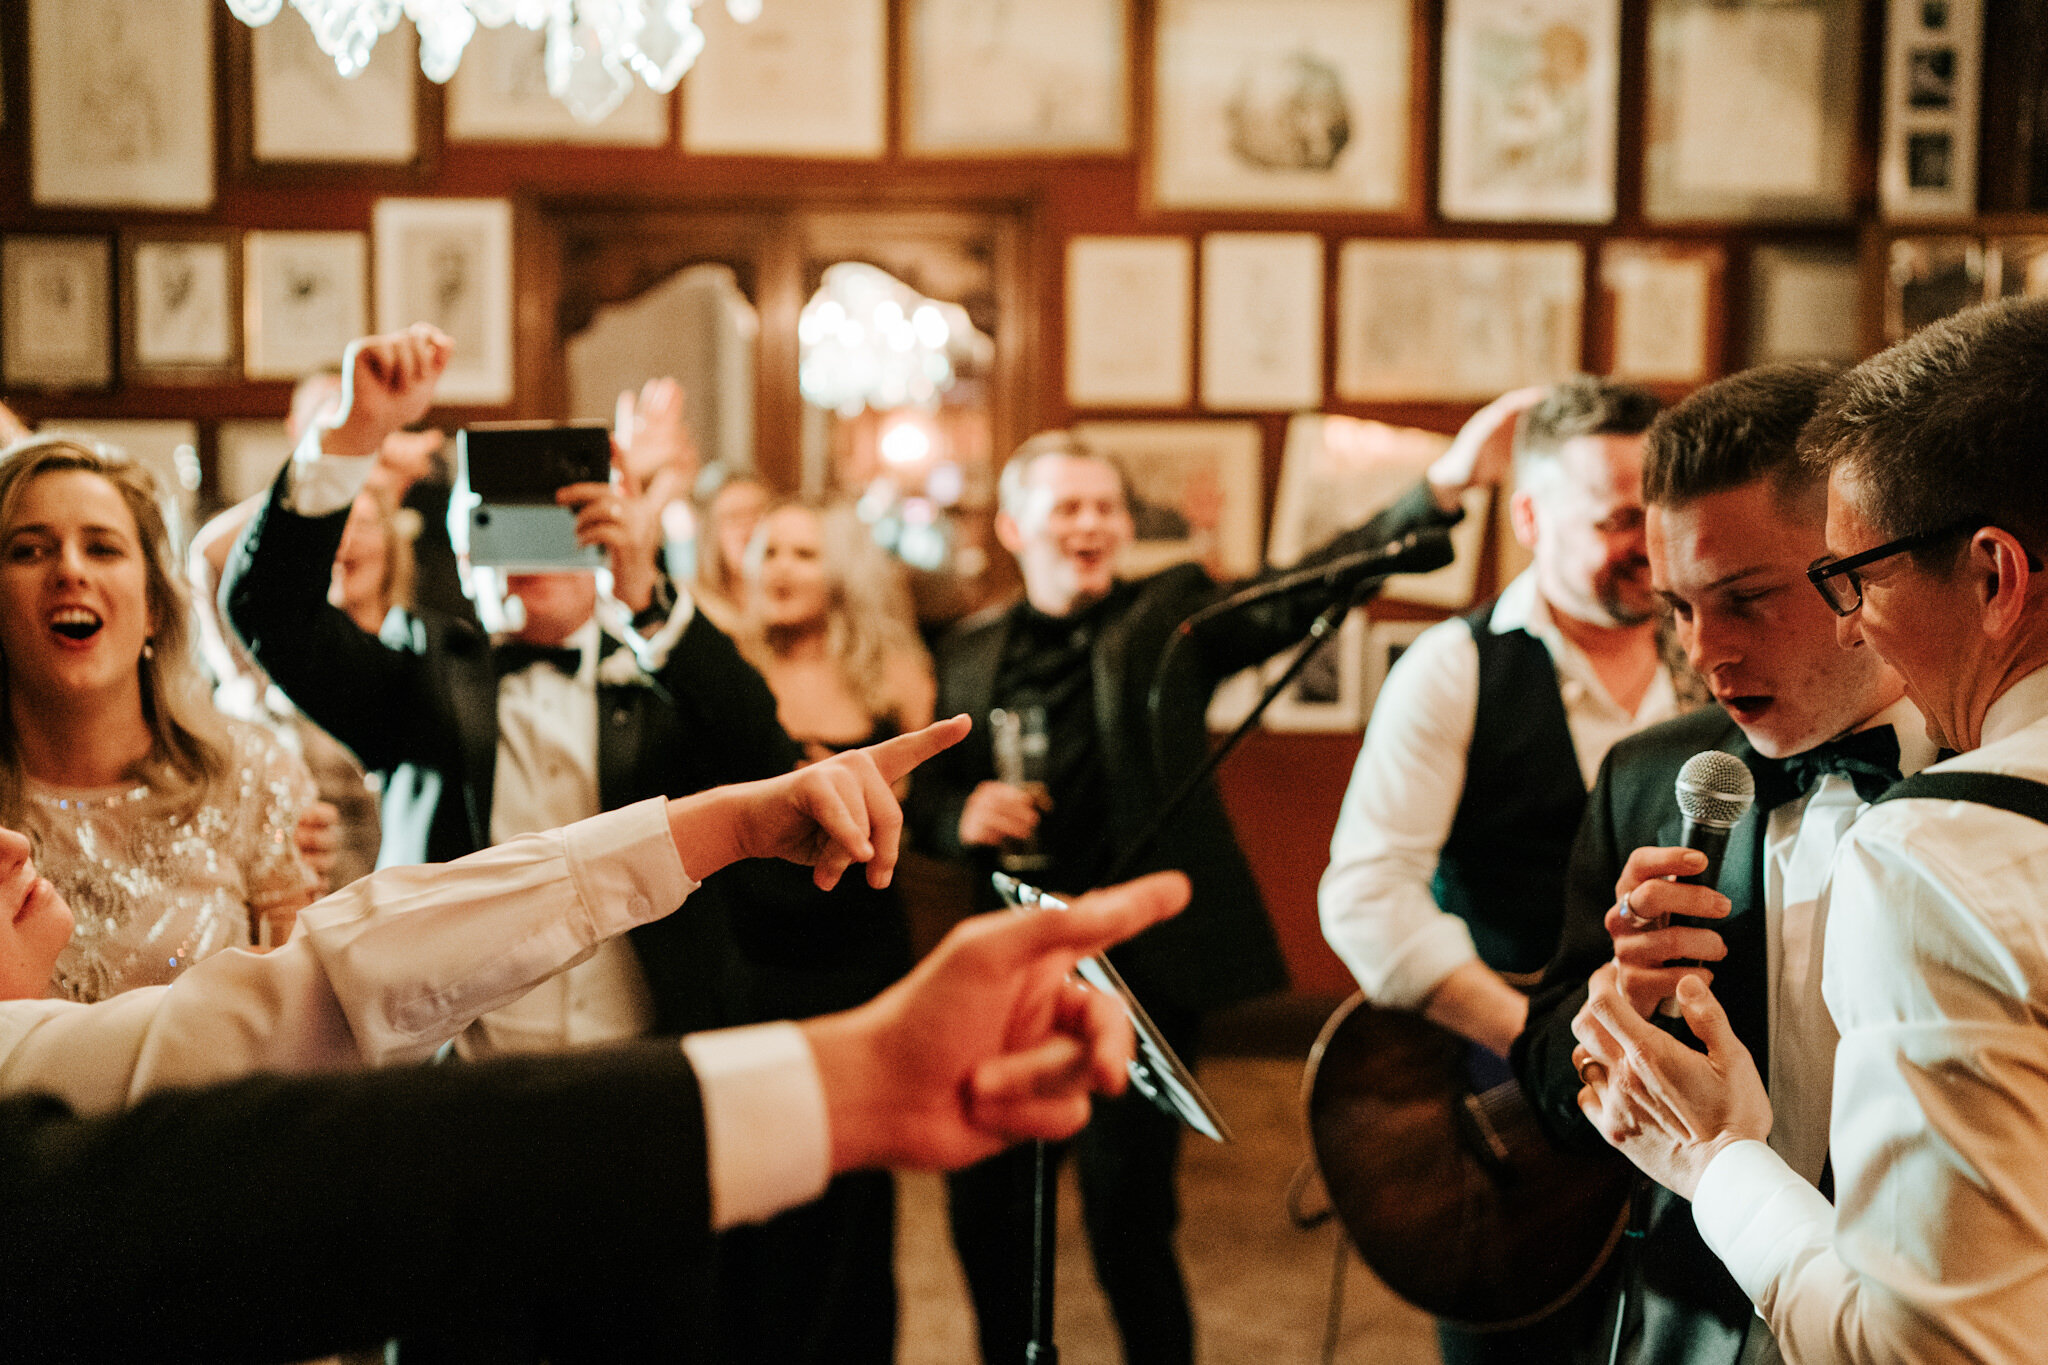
[208, 302]
[236, 61]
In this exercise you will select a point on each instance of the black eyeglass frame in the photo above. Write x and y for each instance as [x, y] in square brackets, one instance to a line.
[1822, 575]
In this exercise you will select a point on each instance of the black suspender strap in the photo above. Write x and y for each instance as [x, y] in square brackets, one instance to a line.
[2020, 795]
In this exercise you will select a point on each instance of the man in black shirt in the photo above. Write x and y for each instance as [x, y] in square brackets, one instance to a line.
[1085, 646]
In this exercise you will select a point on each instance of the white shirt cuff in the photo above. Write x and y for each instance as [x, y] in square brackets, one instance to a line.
[627, 867]
[766, 1135]
[1420, 964]
[319, 483]
[1756, 1214]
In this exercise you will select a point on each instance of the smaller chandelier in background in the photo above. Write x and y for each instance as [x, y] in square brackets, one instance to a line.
[594, 47]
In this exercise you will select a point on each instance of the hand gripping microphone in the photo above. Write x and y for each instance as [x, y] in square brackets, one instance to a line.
[1715, 789]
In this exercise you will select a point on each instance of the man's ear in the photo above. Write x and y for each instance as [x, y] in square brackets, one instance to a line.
[1522, 517]
[1009, 534]
[2005, 579]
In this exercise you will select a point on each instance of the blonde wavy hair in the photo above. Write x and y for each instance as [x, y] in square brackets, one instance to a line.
[869, 619]
[188, 756]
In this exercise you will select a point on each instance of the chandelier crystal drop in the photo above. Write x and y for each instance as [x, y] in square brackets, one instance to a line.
[594, 47]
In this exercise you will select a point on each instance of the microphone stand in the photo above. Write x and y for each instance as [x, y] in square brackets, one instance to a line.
[1041, 1349]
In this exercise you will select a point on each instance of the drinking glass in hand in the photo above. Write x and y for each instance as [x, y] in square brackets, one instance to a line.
[1018, 735]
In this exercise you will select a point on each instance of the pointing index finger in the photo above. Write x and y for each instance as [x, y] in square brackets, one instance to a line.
[895, 757]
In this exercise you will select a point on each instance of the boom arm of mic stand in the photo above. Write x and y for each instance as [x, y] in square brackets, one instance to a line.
[1320, 631]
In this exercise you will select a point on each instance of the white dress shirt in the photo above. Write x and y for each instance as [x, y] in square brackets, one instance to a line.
[1378, 911]
[546, 777]
[390, 967]
[1800, 839]
[1935, 968]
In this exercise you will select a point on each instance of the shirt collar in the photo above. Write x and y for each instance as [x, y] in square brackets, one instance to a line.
[584, 640]
[2019, 706]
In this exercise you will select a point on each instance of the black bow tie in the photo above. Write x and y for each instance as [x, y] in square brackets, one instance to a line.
[514, 656]
[1868, 758]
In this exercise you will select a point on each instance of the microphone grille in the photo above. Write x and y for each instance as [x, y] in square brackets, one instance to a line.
[1715, 788]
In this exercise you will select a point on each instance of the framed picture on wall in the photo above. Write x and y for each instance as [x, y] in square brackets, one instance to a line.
[1385, 643]
[500, 94]
[1130, 306]
[991, 78]
[1282, 104]
[169, 449]
[302, 110]
[56, 297]
[1336, 471]
[449, 262]
[1929, 278]
[1529, 102]
[303, 300]
[247, 456]
[1927, 163]
[1803, 304]
[181, 306]
[1660, 311]
[1455, 321]
[1329, 692]
[1262, 321]
[121, 103]
[1195, 492]
[1752, 110]
[805, 78]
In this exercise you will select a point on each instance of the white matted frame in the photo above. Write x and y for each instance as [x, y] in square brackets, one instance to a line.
[303, 299]
[1927, 165]
[1282, 104]
[1262, 321]
[1194, 492]
[303, 110]
[1130, 304]
[1803, 304]
[1456, 320]
[1529, 110]
[500, 94]
[1752, 110]
[1385, 642]
[181, 306]
[121, 103]
[1661, 309]
[996, 78]
[449, 262]
[247, 455]
[56, 299]
[1337, 471]
[805, 78]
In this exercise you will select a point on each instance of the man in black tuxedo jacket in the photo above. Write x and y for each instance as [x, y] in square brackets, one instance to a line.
[1734, 519]
[1086, 645]
[481, 739]
[281, 1218]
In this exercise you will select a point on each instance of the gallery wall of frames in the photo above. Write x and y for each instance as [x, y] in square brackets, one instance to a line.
[1268, 251]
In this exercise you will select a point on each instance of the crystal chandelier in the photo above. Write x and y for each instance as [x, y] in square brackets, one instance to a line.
[594, 47]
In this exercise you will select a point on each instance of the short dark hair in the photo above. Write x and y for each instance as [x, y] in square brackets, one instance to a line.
[1584, 405]
[1949, 424]
[1735, 431]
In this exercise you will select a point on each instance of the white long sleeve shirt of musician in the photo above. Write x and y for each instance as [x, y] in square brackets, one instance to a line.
[1378, 911]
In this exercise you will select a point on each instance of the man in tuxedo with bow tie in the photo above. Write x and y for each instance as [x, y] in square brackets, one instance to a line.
[481, 738]
[1734, 519]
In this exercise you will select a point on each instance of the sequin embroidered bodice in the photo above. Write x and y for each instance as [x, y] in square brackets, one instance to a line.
[153, 890]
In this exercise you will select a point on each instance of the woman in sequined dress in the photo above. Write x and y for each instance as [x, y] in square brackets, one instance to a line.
[168, 827]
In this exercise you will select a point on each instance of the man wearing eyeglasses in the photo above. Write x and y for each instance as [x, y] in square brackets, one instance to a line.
[1733, 520]
[1935, 967]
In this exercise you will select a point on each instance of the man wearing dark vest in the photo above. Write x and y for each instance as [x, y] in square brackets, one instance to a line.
[1446, 876]
[1734, 519]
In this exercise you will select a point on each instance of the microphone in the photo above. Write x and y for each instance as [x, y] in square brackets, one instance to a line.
[1417, 552]
[1715, 789]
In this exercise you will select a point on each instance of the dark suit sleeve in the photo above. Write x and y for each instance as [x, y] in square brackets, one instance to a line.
[1542, 1055]
[274, 595]
[282, 1219]
[1240, 639]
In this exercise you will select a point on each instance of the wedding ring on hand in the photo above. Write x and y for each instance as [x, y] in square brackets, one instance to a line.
[1591, 1072]
[1629, 918]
